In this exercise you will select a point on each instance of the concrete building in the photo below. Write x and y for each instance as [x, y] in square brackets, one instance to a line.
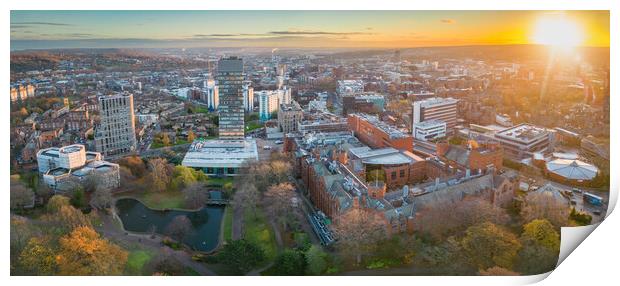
[210, 95]
[522, 141]
[269, 101]
[436, 108]
[289, 115]
[116, 134]
[220, 157]
[21, 92]
[65, 168]
[376, 134]
[349, 87]
[248, 98]
[230, 86]
[323, 125]
[430, 129]
[364, 103]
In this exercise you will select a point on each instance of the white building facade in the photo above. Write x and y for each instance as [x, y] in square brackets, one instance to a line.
[430, 129]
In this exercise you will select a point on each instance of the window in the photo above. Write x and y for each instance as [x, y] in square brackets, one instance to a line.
[394, 175]
[402, 173]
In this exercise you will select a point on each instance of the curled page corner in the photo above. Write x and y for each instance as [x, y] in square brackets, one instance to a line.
[573, 237]
[613, 196]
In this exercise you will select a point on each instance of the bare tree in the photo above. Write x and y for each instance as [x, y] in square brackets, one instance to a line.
[265, 174]
[160, 174]
[247, 197]
[279, 203]
[165, 263]
[542, 206]
[21, 196]
[179, 227]
[195, 195]
[445, 219]
[101, 198]
[359, 231]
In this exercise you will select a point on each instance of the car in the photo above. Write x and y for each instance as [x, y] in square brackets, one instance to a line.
[266, 147]
[597, 212]
[578, 191]
[279, 142]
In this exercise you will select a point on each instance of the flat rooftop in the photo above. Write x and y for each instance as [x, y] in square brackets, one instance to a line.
[219, 153]
[430, 123]
[389, 130]
[523, 132]
[51, 152]
[433, 101]
[383, 156]
[71, 149]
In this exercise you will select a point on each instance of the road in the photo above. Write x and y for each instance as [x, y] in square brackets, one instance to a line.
[578, 198]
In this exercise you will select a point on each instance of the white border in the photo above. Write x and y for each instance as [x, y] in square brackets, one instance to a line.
[594, 262]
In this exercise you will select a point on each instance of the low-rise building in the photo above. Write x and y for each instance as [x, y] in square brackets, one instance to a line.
[65, 168]
[428, 130]
[475, 157]
[220, 157]
[523, 140]
[377, 134]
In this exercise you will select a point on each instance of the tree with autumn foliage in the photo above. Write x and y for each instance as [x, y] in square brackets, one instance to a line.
[160, 174]
[442, 220]
[38, 257]
[358, 231]
[191, 136]
[497, 271]
[487, 245]
[83, 252]
[541, 247]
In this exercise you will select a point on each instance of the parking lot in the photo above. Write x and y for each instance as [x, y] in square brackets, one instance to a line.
[265, 147]
[576, 198]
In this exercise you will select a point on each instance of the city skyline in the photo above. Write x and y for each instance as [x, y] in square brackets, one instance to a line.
[294, 29]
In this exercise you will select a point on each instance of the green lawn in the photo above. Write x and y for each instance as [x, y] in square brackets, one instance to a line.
[258, 230]
[200, 109]
[161, 200]
[228, 221]
[157, 145]
[219, 181]
[136, 261]
[252, 125]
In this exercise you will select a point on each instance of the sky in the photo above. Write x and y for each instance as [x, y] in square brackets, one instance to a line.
[311, 29]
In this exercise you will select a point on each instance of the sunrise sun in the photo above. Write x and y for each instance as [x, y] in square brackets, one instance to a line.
[557, 31]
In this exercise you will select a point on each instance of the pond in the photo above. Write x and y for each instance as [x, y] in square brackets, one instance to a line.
[205, 233]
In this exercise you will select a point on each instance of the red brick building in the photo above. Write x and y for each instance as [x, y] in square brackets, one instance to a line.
[377, 134]
[473, 157]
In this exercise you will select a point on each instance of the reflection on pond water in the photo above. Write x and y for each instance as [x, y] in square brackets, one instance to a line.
[205, 232]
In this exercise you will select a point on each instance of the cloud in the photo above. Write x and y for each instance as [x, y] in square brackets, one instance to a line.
[20, 26]
[301, 33]
[42, 23]
[448, 21]
[214, 35]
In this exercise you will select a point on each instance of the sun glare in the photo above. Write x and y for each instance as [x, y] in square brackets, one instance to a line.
[557, 31]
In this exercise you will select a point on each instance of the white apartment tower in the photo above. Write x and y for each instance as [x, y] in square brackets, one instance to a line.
[210, 95]
[248, 97]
